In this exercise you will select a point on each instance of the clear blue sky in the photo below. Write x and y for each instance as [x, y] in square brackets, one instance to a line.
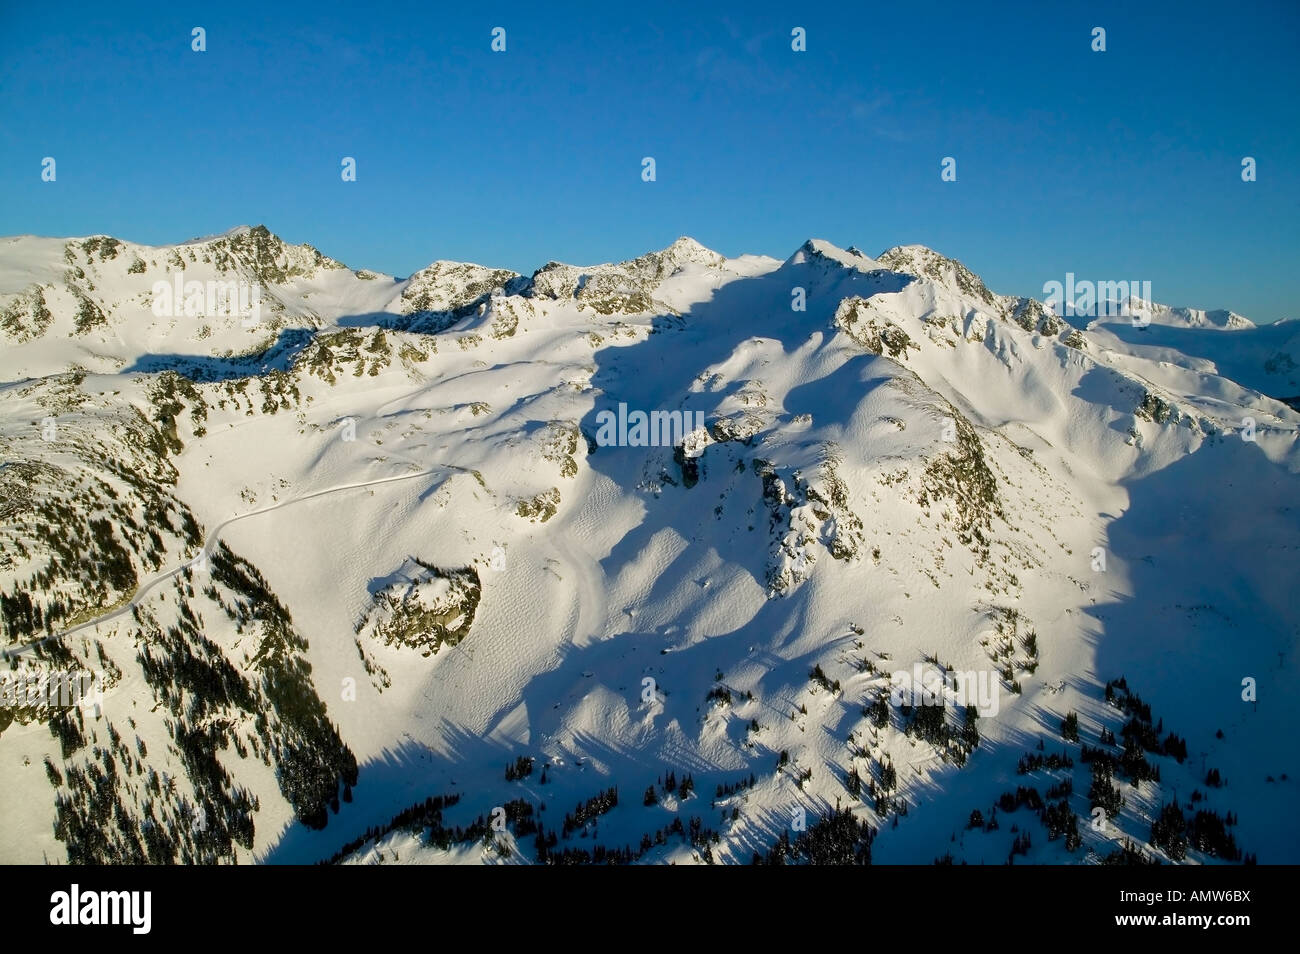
[1123, 164]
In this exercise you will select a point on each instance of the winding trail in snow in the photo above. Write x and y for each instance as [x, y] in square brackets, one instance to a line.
[143, 589]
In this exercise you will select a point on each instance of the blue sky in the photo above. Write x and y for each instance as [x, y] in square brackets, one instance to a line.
[1122, 164]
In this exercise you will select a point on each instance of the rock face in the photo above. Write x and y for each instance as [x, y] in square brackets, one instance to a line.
[927, 263]
[626, 288]
[438, 296]
[875, 334]
[423, 607]
[268, 258]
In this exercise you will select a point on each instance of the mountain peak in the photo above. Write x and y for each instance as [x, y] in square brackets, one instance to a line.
[664, 263]
[688, 245]
[924, 262]
[820, 250]
[238, 232]
[685, 250]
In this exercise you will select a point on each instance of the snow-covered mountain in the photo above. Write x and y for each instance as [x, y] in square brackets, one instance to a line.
[365, 580]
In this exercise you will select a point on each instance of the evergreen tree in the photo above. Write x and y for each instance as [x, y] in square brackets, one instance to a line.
[1070, 727]
[1169, 832]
